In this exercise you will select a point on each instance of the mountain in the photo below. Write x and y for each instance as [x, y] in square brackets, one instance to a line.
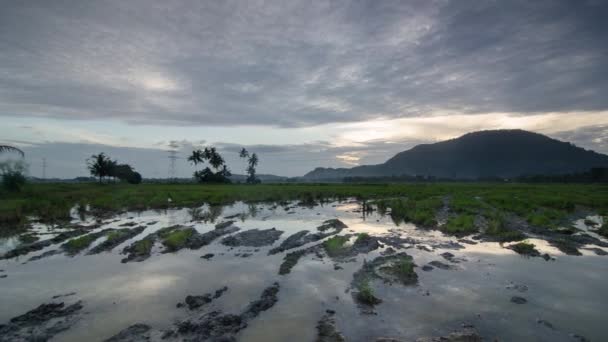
[495, 153]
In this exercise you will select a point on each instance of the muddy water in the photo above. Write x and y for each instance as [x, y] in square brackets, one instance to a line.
[568, 292]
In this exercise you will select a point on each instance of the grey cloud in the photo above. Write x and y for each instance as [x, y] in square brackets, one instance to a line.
[299, 63]
[591, 137]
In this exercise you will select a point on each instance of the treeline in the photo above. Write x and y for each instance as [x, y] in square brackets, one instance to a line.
[594, 175]
[102, 167]
[217, 171]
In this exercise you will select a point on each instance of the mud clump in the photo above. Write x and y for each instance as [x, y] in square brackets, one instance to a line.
[225, 224]
[195, 302]
[518, 300]
[290, 260]
[332, 223]
[253, 238]
[326, 329]
[204, 239]
[44, 255]
[115, 238]
[440, 265]
[40, 324]
[208, 256]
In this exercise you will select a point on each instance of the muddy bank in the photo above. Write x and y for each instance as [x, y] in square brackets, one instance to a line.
[41, 323]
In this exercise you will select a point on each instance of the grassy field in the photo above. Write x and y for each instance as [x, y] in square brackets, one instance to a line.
[541, 204]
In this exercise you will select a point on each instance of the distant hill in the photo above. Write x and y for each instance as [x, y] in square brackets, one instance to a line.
[483, 154]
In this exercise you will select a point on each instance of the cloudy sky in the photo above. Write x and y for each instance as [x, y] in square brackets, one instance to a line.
[303, 84]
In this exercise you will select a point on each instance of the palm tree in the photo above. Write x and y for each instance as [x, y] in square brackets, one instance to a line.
[253, 162]
[6, 148]
[100, 166]
[196, 157]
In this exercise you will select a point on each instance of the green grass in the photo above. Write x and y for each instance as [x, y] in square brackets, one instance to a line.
[362, 237]
[176, 240]
[143, 247]
[334, 246]
[366, 294]
[544, 204]
[524, 248]
[460, 225]
[419, 211]
[402, 269]
[76, 245]
[498, 230]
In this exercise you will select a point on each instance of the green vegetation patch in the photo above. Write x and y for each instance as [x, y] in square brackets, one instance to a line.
[334, 246]
[402, 269]
[460, 225]
[365, 295]
[525, 248]
[497, 229]
[74, 246]
[177, 239]
[418, 211]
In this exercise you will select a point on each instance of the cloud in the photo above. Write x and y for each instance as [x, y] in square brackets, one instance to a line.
[294, 64]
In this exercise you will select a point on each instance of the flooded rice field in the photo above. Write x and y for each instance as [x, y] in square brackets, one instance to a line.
[268, 272]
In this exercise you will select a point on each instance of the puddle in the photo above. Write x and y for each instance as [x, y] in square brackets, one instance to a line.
[476, 290]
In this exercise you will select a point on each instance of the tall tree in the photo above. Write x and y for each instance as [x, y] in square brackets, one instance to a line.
[7, 148]
[99, 165]
[253, 163]
[215, 160]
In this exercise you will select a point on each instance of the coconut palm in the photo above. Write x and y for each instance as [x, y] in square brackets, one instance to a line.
[6, 148]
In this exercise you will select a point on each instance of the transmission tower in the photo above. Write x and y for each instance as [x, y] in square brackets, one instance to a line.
[43, 168]
[172, 158]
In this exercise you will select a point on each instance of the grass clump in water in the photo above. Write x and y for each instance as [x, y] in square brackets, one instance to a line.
[525, 248]
[143, 247]
[366, 294]
[177, 239]
[403, 270]
[76, 245]
[335, 246]
[460, 225]
[497, 229]
[421, 212]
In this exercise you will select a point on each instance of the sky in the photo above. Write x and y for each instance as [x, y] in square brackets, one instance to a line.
[301, 83]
